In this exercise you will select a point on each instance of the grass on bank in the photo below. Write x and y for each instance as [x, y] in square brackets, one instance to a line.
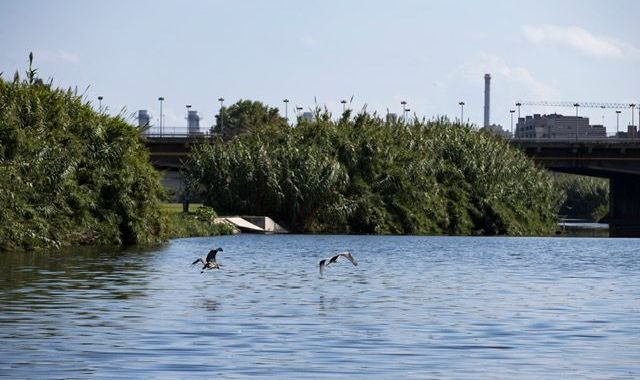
[199, 221]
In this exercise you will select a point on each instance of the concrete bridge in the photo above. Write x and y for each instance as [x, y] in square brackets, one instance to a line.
[615, 159]
[168, 152]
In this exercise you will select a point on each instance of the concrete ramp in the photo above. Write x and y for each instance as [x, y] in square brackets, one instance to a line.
[253, 224]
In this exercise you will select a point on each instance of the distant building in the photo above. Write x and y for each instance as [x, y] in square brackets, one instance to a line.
[144, 119]
[496, 129]
[557, 126]
[631, 133]
[193, 123]
[307, 116]
[392, 118]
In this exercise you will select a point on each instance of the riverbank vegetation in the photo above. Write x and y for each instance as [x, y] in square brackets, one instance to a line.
[584, 197]
[199, 222]
[365, 175]
[70, 175]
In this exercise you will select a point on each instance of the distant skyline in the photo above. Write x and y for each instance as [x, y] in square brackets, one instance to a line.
[433, 54]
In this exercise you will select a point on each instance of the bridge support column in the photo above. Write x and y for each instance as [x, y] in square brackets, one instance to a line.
[624, 205]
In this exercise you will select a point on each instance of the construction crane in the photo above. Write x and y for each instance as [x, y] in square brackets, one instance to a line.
[576, 104]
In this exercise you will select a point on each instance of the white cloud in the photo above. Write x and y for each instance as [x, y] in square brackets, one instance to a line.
[580, 39]
[58, 56]
[308, 41]
[519, 76]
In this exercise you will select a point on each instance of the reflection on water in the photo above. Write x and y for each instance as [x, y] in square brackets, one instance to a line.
[415, 307]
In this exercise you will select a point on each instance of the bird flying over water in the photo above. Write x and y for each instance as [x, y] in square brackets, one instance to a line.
[210, 261]
[334, 259]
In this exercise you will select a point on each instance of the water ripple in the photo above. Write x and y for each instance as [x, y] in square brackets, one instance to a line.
[449, 308]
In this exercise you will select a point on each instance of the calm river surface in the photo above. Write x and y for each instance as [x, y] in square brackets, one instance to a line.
[415, 307]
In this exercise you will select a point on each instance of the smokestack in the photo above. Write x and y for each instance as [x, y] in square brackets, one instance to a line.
[487, 99]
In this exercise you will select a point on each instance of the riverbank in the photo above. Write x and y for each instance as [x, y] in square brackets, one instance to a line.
[582, 228]
[199, 221]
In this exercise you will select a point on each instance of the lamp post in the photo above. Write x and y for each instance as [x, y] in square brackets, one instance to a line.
[100, 103]
[511, 112]
[161, 99]
[461, 104]
[298, 109]
[221, 100]
[188, 107]
[617, 122]
[576, 105]
[286, 109]
[633, 107]
[344, 105]
[404, 111]
[407, 111]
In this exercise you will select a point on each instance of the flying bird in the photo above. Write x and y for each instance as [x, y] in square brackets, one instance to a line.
[334, 259]
[210, 261]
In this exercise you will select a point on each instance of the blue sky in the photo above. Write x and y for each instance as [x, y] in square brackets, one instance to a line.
[432, 54]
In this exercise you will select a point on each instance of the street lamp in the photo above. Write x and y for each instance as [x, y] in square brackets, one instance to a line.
[188, 107]
[518, 105]
[286, 109]
[617, 122]
[408, 110]
[344, 105]
[511, 112]
[161, 99]
[404, 111]
[100, 102]
[461, 104]
[576, 105]
[633, 106]
[298, 109]
[221, 100]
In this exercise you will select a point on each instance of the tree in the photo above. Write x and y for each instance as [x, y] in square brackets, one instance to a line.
[246, 116]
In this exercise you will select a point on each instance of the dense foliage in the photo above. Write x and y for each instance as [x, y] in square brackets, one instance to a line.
[363, 175]
[200, 222]
[245, 116]
[584, 197]
[69, 175]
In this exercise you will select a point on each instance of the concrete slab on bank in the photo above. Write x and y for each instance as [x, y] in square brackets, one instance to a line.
[253, 224]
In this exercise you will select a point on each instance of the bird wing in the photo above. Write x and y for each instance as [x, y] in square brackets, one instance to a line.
[323, 264]
[212, 255]
[349, 257]
[198, 261]
[334, 259]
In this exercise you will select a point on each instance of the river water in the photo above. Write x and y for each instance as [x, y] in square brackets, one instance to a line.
[414, 307]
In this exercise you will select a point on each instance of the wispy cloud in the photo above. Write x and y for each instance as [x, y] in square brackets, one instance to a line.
[518, 76]
[308, 41]
[57, 56]
[580, 39]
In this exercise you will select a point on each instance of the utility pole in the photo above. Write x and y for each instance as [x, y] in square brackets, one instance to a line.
[461, 104]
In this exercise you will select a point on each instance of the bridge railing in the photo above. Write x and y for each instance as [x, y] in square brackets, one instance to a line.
[174, 132]
[609, 137]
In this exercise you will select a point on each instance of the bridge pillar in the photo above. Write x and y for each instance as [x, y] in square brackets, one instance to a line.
[624, 205]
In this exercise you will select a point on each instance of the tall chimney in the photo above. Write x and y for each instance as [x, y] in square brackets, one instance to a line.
[487, 99]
